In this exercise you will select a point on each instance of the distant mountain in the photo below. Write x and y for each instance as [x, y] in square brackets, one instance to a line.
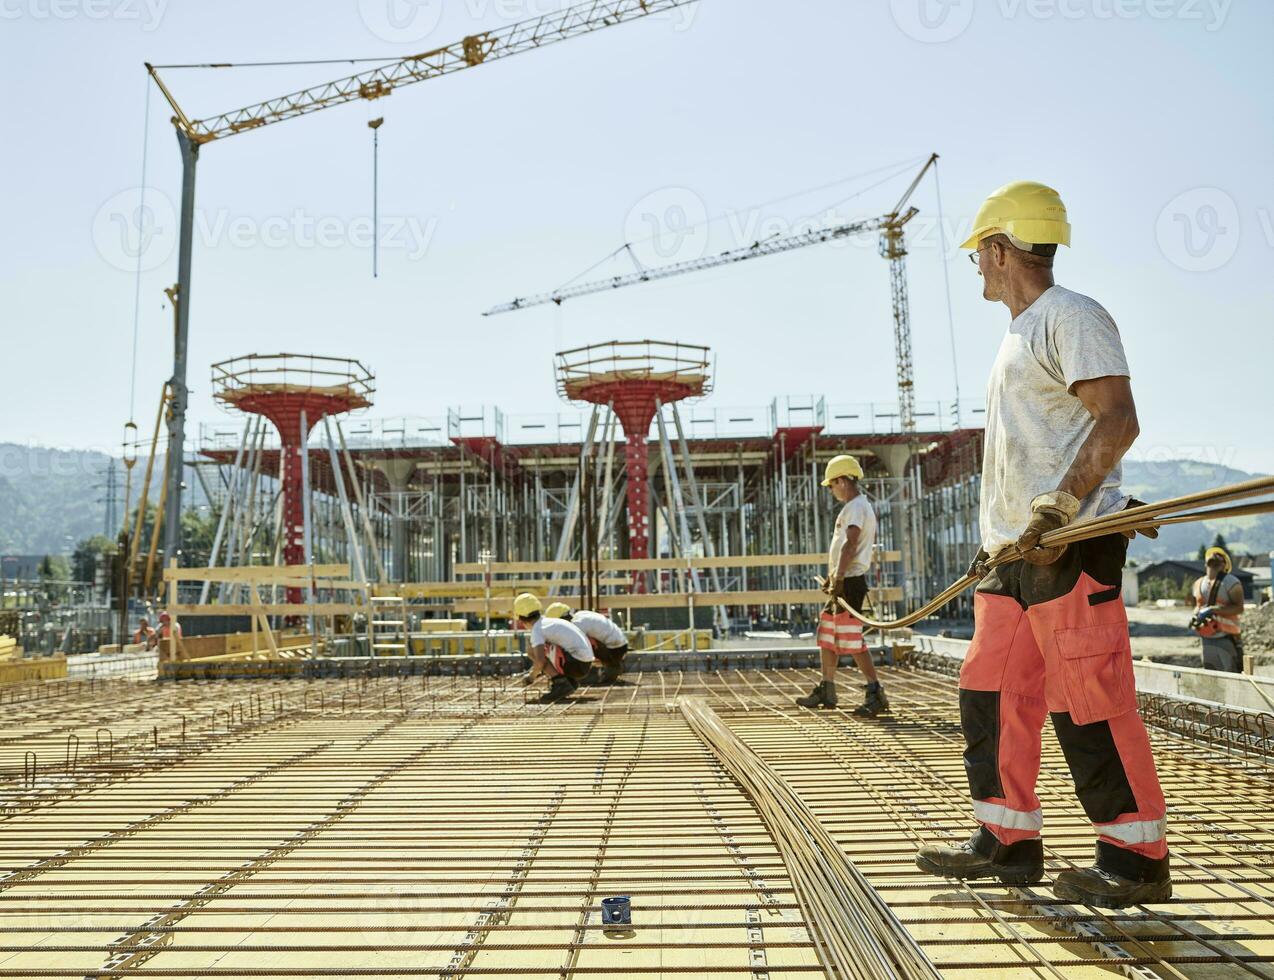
[48, 498]
[1161, 479]
[51, 499]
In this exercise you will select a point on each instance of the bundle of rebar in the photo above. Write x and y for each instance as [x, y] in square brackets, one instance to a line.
[1127, 522]
[857, 936]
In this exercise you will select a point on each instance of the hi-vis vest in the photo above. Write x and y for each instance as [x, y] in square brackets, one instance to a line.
[1209, 593]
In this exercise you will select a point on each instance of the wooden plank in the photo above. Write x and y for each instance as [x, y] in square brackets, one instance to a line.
[646, 564]
[431, 590]
[268, 609]
[661, 564]
[265, 574]
[680, 600]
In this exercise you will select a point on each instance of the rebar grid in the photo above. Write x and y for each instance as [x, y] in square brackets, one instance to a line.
[418, 825]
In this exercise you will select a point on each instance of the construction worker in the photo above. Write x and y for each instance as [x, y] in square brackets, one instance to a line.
[558, 648]
[840, 634]
[144, 634]
[1050, 632]
[609, 642]
[1218, 604]
[167, 628]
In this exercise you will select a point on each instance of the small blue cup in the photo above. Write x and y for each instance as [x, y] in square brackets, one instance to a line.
[617, 911]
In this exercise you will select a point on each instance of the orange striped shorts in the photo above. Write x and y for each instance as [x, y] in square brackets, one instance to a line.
[840, 633]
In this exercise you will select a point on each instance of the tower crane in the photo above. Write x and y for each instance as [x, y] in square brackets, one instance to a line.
[893, 246]
[193, 134]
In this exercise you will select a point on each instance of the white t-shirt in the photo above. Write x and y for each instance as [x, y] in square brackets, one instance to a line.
[856, 513]
[1034, 423]
[597, 627]
[562, 634]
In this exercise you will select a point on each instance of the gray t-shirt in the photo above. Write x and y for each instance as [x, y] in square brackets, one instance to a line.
[1034, 423]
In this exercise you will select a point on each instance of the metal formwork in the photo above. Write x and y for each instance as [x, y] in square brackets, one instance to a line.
[480, 484]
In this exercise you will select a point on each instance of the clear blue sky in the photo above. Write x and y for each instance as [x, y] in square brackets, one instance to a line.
[1153, 118]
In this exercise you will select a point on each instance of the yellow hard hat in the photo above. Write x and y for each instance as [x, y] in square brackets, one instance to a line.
[525, 604]
[1030, 212]
[1214, 550]
[842, 465]
[557, 610]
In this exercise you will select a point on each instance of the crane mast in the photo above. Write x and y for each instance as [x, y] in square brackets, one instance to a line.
[470, 51]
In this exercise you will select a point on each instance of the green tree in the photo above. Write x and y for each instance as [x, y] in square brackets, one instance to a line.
[55, 568]
[197, 532]
[86, 555]
[1161, 587]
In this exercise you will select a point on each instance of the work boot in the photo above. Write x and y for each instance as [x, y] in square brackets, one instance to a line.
[1119, 878]
[823, 696]
[559, 689]
[874, 701]
[611, 673]
[982, 856]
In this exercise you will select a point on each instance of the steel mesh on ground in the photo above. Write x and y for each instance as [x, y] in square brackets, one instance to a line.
[398, 826]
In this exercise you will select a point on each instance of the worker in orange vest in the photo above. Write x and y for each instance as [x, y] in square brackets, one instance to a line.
[166, 628]
[144, 633]
[1218, 604]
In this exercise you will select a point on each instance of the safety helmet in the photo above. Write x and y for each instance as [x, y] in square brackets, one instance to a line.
[525, 604]
[1029, 213]
[557, 610]
[1225, 558]
[842, 465]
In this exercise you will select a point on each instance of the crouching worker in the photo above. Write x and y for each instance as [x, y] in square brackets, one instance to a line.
[609, 642]
[840, 634]
[558, 648]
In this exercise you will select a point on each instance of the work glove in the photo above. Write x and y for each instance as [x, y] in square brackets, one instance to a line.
[1149, 531]
[1049, 512]
[978, 567]
[832, 585]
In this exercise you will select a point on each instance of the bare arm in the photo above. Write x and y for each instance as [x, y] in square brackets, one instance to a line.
[1109, 401]
[539, 660]
[1234, 605]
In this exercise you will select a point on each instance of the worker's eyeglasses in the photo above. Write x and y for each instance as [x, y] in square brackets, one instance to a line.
[976, 256]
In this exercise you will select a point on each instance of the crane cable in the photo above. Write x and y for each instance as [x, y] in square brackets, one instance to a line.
[946, 281]
[894, 169]
[1172, 511]
[141, 237]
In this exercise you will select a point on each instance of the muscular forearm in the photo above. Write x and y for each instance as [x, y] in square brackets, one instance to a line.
[1112, 436]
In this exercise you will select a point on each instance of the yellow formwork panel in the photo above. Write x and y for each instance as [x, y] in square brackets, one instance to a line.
[22, 670]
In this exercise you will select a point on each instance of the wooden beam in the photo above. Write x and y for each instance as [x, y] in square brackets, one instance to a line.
[266, 574]
[680, 600]
[660, 564]
[268, 609]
